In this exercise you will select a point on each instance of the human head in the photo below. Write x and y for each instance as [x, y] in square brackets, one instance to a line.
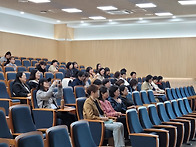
[89, 70]
[21, 77]
[43, 84]
[123, 70]
[42, 64]
[75, 65]
[35, 75]
[81, 75]
[54, 62]
[106, 83]
[101, 71]
[98, 66]
[160, 78]
[12, 60]
[107, 71]
[103, 93]
[133, 75]
[97, 82]
[123, 74]
[93, 91]
[149, 78]
[114, 91]
[69, 65]
[120, 82]
[8, 55]
[133, 83]
[117, 75]
[155, 79]
[123, 90]
[86, 74]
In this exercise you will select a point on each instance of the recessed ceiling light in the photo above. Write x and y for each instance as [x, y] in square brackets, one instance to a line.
[72, 10]
[107, 8]
[81, 21]
[39, 1]
[22, 12]
[110, 20]
[58, 21]
[97, 17]
[146, 5]
[189, 2]
[140, 18]
[164, 14]
[173, 16]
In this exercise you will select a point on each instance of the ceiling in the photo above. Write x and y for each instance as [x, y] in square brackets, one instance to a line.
[89, 8]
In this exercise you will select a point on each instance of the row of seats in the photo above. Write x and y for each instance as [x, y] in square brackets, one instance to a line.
[170, 123]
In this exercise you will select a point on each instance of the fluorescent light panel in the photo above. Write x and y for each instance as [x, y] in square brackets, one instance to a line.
[189, 2]
[97, 17]
[72, 10]
[146, 5]
[164, 14]
[107, 8]
[40, 1]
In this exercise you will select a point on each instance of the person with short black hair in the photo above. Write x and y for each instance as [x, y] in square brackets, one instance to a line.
[155, 86]
[41, 67]
[107, 72]
[69, 73]
[147, 84]
[106, 83]
[115, 101]
[120, 82]
[79, 81]
[100, 74]
[75, 69]
[123, 76]
[11, 62]
[133, 75]
[159, 82]
[53, 67]
[123, 95]
[92, 110]
[34, 79]
[97, 82]
[123, 70]
[5, 58]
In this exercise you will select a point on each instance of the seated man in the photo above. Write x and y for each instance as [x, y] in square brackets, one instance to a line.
[92, 110]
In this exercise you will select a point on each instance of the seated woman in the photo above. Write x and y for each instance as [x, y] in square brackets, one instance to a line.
[155, 86]
[41, 67]
[106, 83]
[87, 82]
[159, 82]
[53, 67]
[133, 85]
[20, 88]
[107, 72]
[75, 69]
[123, 95]
[92, 110]
[5, 58]
[100, 74]
[69, 73]
[98, 66]
[92, 75]
[11, 62]
[115, 101]
[116, 76]
[46, 98]
[79, 81]
[34, 79]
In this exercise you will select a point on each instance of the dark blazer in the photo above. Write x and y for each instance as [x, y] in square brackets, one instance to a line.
[69, 73]
[126, 101]
[38, 67]
[19, 90]
[75, 72]
[76, 82]
[32, 84]
[117, 106]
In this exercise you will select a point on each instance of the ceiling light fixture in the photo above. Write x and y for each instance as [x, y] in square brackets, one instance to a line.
[188, 2]
[97, 17]
[72, 10]
[140, 18]
[173, 16]
[22, 12]
[164, 14]
[110, 20]
[58, 21]
[81, 21]
[39, 1]
[107, 8]
[146, 5]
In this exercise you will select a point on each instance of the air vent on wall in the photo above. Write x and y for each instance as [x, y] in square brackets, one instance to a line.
[119, 12]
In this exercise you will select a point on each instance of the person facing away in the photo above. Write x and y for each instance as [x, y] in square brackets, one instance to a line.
[92, 110]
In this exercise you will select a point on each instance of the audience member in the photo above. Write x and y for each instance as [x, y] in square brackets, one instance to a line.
[41, 67]
[75, 69]
[79, 81]
[53, 67]
[123, 77]
[159, 82]
[34, 79]
[69, 73]
[133, 75]
[92, 110]
[155, 86]
[87, 82]
[100, 74]
[97, 82]
[92, 75]
[4, 59]
[11, 62]
[133, 85]
[98, 66]
[123, 95]
[107, 72]
[106, 83]
[120, 82]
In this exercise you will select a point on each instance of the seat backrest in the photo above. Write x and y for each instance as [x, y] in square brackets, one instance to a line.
[34, 99]
[30, 68]
[144, 97]
[4, 129]
[144, 118]
[2, 76]
[163, 84]
[1, 69]
[63, 63]
[193, 90]
[10, 75]
[79, 91]
[10, 85]
[139, 86]
[162, 112]
[48, 75]
[31, 139]
[139, 80]
[3, 145]
[58, 75]
[62, 66]
[186, 103]
[38, 59]
[167, 84]
[21, 119]
[63, 71]
[189, 90]
[27, 74]
[26, 63]
[136, 98]
[30, 58]
[169, 110]
[68, 96]
[58, 137]
[151, 96]
[129, 96]
[182, 107]
[81, 135]
[3, 90]
[21, 68]
[182, 92]
[133, 123]
[47, 66]
[45, 59]
[33, 62]
[178, 92]
[173, 91]
[176, 108]
[8, 68]
[143, 79]
[79, 107]
[18, 62]
[152, 111]
[169, 94]
[186, 92]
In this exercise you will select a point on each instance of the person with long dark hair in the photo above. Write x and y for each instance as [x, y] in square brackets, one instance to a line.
[75, 69]
[69, 73]
[100, 74]
[5, 58]
[34, 78]
[41, 67]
